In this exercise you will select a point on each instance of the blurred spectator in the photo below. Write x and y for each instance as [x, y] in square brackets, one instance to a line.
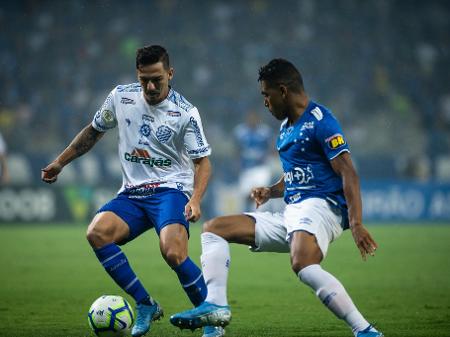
[385, 74]
[254, 142]
[4, 174]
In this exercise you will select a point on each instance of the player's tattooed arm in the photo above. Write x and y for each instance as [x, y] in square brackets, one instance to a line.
[85, 140]
[81, 144]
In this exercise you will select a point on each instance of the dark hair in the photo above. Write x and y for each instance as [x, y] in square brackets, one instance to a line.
[151, 55]
[281, 71]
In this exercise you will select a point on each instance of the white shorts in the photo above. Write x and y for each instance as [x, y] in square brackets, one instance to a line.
[273, 231]
[270, 232]
[316, 216]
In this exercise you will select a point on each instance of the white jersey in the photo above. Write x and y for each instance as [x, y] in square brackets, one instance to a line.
[156, 142]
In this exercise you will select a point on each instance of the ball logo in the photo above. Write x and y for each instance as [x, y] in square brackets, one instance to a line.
[335, 141]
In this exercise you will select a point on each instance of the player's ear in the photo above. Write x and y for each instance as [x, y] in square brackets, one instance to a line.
[171, 72]
[283, 90]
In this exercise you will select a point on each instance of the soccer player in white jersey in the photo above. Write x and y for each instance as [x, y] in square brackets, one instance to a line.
[160, 133]
[321, 189]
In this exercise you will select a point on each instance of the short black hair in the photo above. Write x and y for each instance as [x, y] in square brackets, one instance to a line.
[280, 71]
[151, 55]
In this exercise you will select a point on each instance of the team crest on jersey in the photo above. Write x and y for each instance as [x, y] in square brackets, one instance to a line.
[163, 133]
[335, 141]
[174, 113]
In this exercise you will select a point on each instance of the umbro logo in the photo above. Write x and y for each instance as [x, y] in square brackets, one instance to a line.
[126, 100]
[173, 113]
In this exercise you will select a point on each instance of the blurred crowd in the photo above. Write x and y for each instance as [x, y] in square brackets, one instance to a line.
[382, 66]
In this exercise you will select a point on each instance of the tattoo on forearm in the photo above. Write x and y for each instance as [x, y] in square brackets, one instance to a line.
[85, 140]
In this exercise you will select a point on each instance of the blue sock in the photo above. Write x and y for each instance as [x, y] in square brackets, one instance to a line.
[191, 278]
[116, 264]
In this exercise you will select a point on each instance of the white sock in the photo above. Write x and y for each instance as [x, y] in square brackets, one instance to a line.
[333, 295]
[215, 264]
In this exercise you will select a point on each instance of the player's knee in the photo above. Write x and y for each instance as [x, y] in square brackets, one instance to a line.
[209, 226]
[173, 257]
[97, 237]
[298, 263]
[296, 267]
[215, 226]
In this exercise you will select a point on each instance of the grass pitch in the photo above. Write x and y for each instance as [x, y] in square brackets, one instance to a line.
[49, 277]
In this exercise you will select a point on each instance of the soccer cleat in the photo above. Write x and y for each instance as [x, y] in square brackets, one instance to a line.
[145, 314]
[203, 315]
[370, 331]
[213, 331]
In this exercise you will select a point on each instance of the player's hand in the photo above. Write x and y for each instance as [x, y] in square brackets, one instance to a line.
[364, 241]
[50, 173]
[192, 211]
[261, 195]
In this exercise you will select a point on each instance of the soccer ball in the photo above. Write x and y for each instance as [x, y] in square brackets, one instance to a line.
[110, 316]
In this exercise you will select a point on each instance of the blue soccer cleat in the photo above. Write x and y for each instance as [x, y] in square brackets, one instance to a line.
[213, 331]
[203, 315]
[145, 314]
[370, 331]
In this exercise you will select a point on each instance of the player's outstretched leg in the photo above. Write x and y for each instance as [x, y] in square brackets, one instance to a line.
[213, 331]
[145, 314]
[203, 315]
[334, 296]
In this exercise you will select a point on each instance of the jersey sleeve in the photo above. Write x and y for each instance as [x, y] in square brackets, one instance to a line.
[105, 117]
[331, 138]
[194, 140]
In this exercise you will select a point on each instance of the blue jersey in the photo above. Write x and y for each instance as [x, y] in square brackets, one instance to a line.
[254, 144]
[306, 149]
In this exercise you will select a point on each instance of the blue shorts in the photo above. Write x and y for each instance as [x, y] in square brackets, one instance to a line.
[163, 207]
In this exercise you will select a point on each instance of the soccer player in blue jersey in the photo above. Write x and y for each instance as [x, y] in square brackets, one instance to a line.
[160, 136]
[321, 189]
